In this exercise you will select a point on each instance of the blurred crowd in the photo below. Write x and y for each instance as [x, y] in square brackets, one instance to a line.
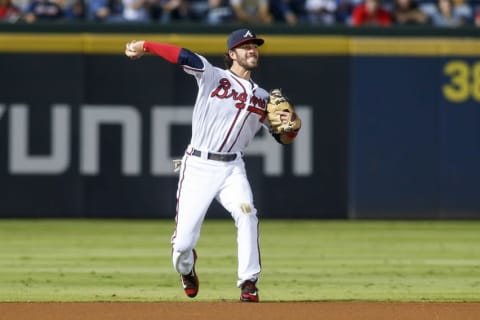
[449, 13]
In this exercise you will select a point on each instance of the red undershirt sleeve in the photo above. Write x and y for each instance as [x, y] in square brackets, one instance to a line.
[169, 52]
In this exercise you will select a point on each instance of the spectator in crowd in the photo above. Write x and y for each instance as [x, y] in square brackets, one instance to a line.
[76, 11]
[197, 10]
[44, 10]
[9, 12]
[165, 11]
[283, 11]
[219, 11]
[464, 10]
[252, 11]
[372, 13]
[446, 16]
[407, 12]
[343, 13]
[22, 5]
[106, 10]
[321, 11]
[136, 11]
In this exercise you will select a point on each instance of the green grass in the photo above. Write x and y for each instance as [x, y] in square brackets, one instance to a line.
[120, 260]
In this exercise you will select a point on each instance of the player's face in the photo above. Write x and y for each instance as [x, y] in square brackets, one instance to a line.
[247, 55]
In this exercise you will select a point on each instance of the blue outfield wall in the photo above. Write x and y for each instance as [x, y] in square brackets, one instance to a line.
[95, 136]
[415, 137]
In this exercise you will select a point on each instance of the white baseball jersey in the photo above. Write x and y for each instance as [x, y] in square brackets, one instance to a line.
[228, 112]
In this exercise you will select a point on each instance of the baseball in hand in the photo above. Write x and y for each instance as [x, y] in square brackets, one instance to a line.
[132, 51]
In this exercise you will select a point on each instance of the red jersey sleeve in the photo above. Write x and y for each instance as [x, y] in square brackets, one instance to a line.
[167, 51]
[174, 54]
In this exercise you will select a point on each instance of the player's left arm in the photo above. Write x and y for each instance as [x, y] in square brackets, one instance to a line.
[295, 122]
[173, 54]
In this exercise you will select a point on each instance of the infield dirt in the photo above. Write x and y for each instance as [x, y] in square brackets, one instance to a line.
[237, 310]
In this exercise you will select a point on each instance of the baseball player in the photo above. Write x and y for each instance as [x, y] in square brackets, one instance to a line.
[230, 109]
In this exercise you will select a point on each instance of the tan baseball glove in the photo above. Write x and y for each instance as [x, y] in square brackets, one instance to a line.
[281, 113]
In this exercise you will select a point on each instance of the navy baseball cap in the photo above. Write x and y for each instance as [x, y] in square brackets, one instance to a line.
[241, 36]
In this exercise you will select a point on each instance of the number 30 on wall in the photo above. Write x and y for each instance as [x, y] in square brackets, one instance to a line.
[464, 81]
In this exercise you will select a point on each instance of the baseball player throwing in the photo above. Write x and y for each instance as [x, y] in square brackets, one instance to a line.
[230, 109]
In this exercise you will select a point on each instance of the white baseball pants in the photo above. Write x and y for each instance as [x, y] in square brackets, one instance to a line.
[202, 180]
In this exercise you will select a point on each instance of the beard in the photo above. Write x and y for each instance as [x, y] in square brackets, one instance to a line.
[248, 63]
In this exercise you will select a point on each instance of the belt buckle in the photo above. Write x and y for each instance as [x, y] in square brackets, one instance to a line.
[196, 153]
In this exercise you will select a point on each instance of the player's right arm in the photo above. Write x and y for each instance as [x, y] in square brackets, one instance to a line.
[173, 54]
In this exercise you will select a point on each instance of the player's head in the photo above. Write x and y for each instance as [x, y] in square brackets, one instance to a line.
[241, 39]
[242, 36]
